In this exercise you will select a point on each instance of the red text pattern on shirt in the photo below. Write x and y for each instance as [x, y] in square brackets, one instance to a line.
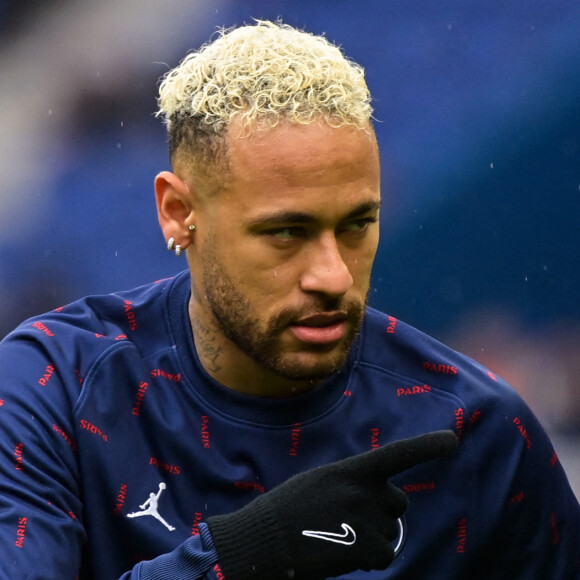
[419, 487]
[459, 414]
[375, 434]
[166, 375]
[141, 390]
[414, 390]
[21, 532]
[42, 327]
[69, 513]
[295, 439]
[173, 469]
[218, 572]
[250, 486]
[130, 314]
[91, 428]
[524, 433]
[48, 372]
[475, 416]
[205, 436]
[516, 498]
[461, 536]
[19, 456]
[120, 499]
[392, 327]
[65, 436]
[440, 368]
[197, 518]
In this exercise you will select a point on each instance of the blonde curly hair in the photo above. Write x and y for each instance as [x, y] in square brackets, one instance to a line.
[263, 74]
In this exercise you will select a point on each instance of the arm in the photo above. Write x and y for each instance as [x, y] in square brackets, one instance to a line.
[41, 511]
[327, 521]
[41, 516]
[194, 559]
[536, 531]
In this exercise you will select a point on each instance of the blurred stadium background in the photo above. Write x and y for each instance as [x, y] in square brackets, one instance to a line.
[478, 117]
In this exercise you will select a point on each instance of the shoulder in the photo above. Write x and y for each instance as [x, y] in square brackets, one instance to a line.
[390, 345]
[489, 411]
[110, 316]
[70, 340]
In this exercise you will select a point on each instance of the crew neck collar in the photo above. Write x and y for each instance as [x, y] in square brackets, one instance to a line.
[275, 412]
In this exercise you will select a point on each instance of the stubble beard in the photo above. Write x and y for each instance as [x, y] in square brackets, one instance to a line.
[238, 321]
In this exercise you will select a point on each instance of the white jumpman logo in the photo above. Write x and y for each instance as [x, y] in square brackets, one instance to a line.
[150, 508]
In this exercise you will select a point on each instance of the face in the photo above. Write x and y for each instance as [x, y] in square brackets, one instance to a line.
[283, 253]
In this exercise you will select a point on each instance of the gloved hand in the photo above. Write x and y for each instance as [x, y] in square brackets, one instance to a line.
[327, 521]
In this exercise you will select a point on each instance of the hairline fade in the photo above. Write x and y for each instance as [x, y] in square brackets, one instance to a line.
[262, 75]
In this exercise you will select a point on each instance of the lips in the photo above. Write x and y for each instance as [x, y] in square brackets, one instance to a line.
[320, 328]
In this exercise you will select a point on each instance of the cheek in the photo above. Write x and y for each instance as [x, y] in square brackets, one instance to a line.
[258, 270]
[361, 275]
[262, 282]
[272, 284]
[361, 264]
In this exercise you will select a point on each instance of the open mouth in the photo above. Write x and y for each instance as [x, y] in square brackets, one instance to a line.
[320, 328]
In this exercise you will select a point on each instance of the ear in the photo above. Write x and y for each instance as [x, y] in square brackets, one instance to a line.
[175, 208]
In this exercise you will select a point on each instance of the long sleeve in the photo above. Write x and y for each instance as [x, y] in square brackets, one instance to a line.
[195, 559]
[115, 448]
[41, 508]
[41, 513]
[536, 532]
[45, 510]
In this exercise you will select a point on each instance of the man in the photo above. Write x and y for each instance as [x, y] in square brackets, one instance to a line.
[279, 428]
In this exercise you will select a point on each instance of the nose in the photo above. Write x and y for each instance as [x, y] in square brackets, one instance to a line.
[325, 270]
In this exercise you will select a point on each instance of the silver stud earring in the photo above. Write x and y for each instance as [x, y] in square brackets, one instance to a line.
[178, 250]
[170, 243]
[191, 227]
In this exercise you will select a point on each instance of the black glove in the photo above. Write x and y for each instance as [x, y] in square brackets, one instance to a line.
[327, 521]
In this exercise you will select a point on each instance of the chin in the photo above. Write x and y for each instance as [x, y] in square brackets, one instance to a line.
[310, 367]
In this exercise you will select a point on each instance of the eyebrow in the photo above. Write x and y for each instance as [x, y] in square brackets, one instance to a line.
[285, 217]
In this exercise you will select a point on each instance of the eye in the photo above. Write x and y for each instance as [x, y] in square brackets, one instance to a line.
[286, 233]
[360, 225]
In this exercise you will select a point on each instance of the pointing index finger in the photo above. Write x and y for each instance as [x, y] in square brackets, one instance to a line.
[406, 453]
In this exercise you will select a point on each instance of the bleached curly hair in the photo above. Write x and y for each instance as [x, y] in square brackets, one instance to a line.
[263, 74]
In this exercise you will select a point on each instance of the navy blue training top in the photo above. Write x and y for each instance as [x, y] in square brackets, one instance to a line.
[116, 445]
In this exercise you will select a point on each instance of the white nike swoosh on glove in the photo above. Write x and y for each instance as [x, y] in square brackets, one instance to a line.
[348, 538]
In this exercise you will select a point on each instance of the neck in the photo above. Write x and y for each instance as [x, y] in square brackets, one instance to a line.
[234, 369]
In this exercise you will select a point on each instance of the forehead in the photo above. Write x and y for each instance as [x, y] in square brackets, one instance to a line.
[309, 165]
